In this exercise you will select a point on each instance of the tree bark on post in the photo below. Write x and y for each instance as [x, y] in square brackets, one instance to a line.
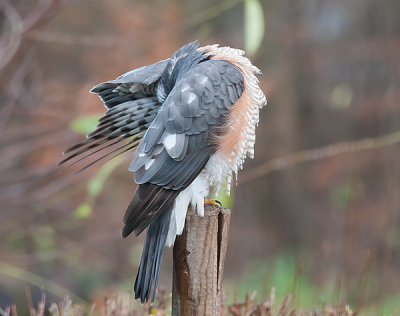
[199, 255]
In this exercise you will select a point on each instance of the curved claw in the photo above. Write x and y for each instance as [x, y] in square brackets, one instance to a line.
[213, 202]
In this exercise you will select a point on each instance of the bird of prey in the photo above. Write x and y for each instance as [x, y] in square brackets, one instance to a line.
[192, 118]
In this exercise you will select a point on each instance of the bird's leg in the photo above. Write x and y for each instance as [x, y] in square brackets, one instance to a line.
[213, 202]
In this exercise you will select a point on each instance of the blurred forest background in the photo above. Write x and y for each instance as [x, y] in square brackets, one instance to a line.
[319, 222]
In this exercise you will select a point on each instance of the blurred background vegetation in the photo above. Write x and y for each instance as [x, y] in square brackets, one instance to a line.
[319, 222]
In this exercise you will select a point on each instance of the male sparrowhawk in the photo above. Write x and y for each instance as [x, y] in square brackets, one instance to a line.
[192, 118]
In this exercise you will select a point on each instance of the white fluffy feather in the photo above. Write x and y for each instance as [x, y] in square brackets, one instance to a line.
[194, 195]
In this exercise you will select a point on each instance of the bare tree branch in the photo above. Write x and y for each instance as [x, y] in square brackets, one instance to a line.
[11, 41]
[318, 154]
[83, 40]
[112, 41]
[10, 44]
[42, 12]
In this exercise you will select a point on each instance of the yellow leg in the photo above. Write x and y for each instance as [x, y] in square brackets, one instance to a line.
[213, 202]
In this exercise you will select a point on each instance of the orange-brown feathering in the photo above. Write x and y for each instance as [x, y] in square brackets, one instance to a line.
[230, 141]
[239, 139]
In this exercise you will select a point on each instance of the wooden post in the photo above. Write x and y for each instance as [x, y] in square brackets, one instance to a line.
[199, 255]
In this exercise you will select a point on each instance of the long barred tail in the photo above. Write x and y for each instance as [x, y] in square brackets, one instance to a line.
[150, 263]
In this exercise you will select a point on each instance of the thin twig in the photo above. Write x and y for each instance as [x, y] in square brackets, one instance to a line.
[83, 40]
[8, 50]
[112, 41]
[16, 91]
[209, 13]
[42, 12]
[36, 280]
[20, 28]
[318, 154]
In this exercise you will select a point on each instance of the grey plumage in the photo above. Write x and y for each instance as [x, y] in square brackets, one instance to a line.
[177, 146]
[150, 262]
[146, 75]
[122, 129]
[172, 110]
[131, 85]
[131, 106]
[194, 125]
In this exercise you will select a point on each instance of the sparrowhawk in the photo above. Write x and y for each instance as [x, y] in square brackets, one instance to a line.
[192, 118]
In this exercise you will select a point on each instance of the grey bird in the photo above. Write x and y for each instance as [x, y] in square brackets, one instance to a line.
[192, 118]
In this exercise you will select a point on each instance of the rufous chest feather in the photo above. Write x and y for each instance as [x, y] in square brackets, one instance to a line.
[238, 142]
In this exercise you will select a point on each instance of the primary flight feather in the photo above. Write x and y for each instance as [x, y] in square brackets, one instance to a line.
[192, 118]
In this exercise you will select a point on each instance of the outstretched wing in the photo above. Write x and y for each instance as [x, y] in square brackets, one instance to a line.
[131, 106]
[181, 139]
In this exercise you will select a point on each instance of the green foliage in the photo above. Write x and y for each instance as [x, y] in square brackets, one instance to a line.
[285, 277]
[85, 124]
[253, 26]
[44, 239]
[83, 211]
[225, 199]
[89, 279]
[341, 97]
[341, 195]
[95, 186]
[389, 305]
[16, 240]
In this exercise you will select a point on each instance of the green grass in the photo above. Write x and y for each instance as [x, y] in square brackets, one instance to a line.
[282, 274]
[286, 277]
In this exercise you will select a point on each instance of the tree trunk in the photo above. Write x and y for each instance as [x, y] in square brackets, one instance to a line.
[199, 255]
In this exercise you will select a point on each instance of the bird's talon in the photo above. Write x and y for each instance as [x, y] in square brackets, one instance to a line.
[213, 202]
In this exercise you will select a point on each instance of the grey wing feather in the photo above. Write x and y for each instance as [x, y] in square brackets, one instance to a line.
[118, 130]
[180, 118]
[131, 107]
[132, 85]
[178, 143]
[146, 75]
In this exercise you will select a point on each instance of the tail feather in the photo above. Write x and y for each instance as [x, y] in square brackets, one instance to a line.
[150, 263]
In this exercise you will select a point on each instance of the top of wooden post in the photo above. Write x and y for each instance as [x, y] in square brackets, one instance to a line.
[199, 255]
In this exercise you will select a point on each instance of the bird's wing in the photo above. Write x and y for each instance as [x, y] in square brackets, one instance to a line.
[131, 104]
[131, 85]
[181, 139]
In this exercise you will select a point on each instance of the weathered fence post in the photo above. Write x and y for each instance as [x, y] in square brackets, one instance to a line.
[199, 255]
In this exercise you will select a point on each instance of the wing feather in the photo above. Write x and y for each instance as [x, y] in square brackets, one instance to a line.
[131, 106]
[130, 86]
[179, 141]
[125, 126]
